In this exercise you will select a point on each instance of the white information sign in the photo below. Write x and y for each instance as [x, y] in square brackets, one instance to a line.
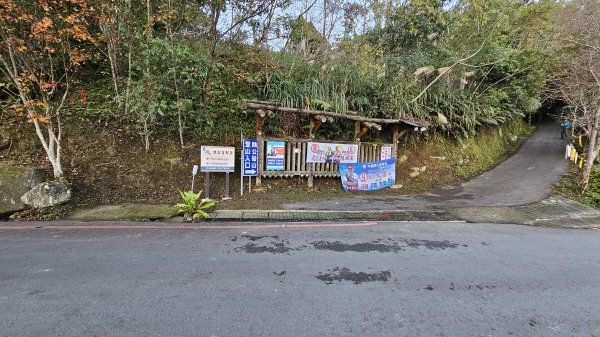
[386, 152]
[332, 153]
[217, 159]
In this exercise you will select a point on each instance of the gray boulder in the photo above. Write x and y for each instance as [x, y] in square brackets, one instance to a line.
[14, 182]
[47, 194]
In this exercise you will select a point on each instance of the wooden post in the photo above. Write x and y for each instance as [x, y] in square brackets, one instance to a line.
[398, 133]
[207, 185]
[395, 140]
[361, 129]
[226, 185]
[315, 122]
[241, 164]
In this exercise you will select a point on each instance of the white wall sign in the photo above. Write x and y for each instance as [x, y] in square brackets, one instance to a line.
[386, 152]
[217, 159]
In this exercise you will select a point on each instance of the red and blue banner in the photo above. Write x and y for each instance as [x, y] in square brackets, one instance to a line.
[368, 176]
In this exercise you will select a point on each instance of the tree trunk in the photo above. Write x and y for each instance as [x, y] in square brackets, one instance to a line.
[112, 58]
[179, 120]
[128, 88]
[214, 35]
[149, 33]
[592, 152]
[52, 148]
[324, 17]
[146, 133]
[377, 14]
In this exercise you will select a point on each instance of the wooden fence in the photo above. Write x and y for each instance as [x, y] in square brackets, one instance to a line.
[295, 159]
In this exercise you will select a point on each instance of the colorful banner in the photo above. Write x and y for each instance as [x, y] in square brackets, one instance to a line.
[368, 176]
[217, 159]
[331, 153]
[275, 156]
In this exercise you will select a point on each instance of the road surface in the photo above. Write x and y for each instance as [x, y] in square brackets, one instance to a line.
[524, 178]
[364, 279]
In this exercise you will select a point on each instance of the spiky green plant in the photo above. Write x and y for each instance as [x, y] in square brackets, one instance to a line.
[193, 205]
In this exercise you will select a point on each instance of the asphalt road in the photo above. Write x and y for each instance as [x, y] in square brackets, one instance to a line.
[374, 279]
[524, 178]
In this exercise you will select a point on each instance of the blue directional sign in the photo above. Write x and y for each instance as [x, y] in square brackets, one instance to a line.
[250, 158]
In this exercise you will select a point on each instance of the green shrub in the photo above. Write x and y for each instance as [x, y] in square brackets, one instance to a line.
[193, 206]
[593, 190]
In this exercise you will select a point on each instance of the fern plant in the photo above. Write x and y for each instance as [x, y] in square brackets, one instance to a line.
[193, 206]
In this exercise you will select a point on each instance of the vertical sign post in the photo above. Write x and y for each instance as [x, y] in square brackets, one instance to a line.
[194, 172]
[207, 185]
[217, 159]
[250, 160]
[242, 164]
[226, 194]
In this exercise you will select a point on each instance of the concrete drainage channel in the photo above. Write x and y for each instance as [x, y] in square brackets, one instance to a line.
[302, 215]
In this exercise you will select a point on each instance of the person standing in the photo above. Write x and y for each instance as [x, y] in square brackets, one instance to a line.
[563, 129]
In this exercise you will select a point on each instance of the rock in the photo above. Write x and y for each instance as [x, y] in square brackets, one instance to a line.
[397, 186]
[133, 212]
[513, 138]
[423, 168]
[402, 159]
[47, 194]
[414, 174]
[14, 182]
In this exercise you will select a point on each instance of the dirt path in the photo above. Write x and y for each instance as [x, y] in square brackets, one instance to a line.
[524, 178]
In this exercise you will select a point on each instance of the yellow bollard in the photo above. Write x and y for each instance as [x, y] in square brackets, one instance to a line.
[573, 153]
[580, 162]
[580, 141]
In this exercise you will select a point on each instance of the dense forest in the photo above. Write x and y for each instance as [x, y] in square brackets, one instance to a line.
[183, 68]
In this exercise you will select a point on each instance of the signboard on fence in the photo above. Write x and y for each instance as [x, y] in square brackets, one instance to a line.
[331, 153]
[217, 159]
[250, 158]
[275, 156]
[368, 176]
[386, 152]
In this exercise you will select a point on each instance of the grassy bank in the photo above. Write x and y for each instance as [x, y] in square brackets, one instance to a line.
[567, 187]
[108, 167]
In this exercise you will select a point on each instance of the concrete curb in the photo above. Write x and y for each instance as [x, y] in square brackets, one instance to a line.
[304, 215]
[550, 212]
